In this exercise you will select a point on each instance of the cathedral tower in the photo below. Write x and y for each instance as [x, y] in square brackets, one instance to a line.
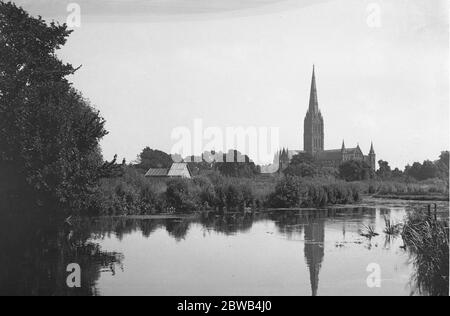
[372, 158]
[313, 135]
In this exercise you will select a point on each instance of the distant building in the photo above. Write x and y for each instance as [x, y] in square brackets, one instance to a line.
[177, 170]
[314, 137]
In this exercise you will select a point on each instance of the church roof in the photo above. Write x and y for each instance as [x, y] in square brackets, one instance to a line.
[353, 150]
[333, 154]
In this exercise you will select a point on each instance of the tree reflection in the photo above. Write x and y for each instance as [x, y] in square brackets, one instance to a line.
[35, 255]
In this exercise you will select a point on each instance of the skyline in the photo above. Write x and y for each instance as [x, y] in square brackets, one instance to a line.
[151, 74]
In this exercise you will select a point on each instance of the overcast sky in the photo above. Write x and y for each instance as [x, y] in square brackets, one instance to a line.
[151, 66]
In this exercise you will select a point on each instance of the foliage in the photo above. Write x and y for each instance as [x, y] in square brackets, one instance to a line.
[131, 194]
[405, 187]
[183, 195]
[297, 192]
[355, 170]
[302, 158]
[234, 164]
[427, 240]
[49, 134]
[384, 171]
[301, 170]
[423, 171]
[152, 158]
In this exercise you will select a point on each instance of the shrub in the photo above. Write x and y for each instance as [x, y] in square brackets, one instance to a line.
[287, 193]
[183, 195]
[296, 192]
[233, 193]
[131, 194]
[208, 197]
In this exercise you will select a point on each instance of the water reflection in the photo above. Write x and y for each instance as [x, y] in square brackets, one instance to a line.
[35, 255]
[269, 245]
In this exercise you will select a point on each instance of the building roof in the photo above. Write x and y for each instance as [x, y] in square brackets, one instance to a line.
[179, 170]
[353, 150]
[157, 172]
[334, 154]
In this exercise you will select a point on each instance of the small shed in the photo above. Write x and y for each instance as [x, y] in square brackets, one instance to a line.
[157, 173]
[177, 170]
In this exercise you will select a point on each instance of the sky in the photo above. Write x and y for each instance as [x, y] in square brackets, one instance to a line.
[153, 66]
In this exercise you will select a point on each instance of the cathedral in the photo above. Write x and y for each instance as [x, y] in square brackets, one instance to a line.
[313, 140]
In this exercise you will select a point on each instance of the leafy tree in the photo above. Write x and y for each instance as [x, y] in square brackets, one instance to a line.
[300, 170]
[302, 158]
[443, 165]
[355, 170]
[429, 170]
[384, 171]
[237, 165]
[152, 158]
[397, 173]
[49, 134]
[424, 171]
[444, 158]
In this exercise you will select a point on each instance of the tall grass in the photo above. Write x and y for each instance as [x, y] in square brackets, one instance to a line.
[432, 187]
[391, 228]
[427, 240]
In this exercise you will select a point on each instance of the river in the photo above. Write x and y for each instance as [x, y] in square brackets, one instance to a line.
[312, 252]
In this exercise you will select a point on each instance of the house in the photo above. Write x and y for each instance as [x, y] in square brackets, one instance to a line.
[177, 170]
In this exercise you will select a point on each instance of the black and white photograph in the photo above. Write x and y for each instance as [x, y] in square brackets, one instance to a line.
[227, 155]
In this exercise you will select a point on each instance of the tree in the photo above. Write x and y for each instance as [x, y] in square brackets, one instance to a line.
[49, 134]
[443, 165]
[152, 158]
[384, 171]
[429, 170]
[355, 170]
[397, 173]
[302, 158]
[424, 171]
[300, 170]
[235, 164]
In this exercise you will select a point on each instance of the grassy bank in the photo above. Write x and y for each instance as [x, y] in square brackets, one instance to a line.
[427, 240]
[133, 194]
[428, 190]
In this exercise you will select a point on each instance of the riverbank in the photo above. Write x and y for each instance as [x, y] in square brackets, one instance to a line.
[412, 197]
[366, 201]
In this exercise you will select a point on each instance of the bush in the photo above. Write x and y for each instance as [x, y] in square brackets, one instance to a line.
[183, 195]
[208, 197]
[131, 194]
[296, 192]
[233, 193]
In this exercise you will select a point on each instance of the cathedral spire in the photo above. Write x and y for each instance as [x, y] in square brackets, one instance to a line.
[313, 101]
[343, 145]
[372, 151]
